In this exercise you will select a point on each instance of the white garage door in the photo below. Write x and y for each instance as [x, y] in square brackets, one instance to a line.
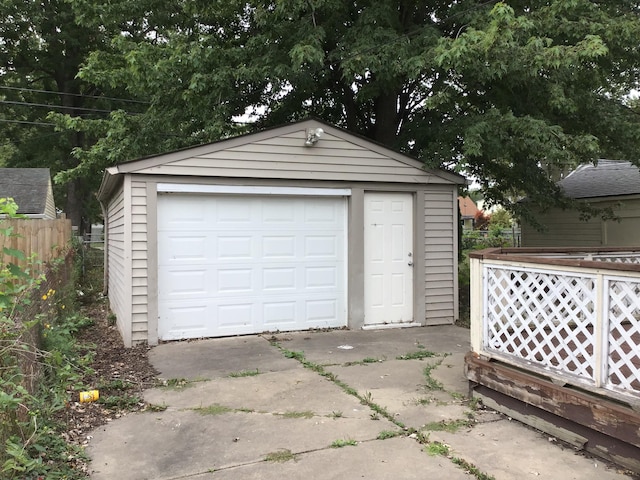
[230, 264]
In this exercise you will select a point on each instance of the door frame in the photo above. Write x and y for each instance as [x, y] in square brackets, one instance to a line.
[409, 245]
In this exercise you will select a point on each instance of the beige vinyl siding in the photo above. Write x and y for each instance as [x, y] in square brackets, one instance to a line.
[286, 157]
[139, 262]
[440, 238]
[118, 296]
[563, 228]
[50, 206]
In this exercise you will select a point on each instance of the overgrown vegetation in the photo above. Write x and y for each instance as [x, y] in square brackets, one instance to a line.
[39, 362]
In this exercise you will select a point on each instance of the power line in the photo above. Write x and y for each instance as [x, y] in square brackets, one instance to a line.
[100, 97]
[47, 105]
[25, 122]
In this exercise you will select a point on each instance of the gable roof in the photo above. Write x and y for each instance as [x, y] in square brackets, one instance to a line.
[605, 179]
[29, 188]
[281, 153]
[468, 208]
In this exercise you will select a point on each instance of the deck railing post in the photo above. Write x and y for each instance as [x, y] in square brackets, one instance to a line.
[599, 361]
[477, 304]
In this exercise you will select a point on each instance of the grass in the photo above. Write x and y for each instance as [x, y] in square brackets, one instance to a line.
[120, 401]
[294, 414]
[364, 361]
[280, 456]
[154, 407]
[115, 385]
[215, 409]
[451, 426]
[349, 442]
[418, 355]
[472, 469]
[384, 434]
[437, 448]
[244, 373]
[335, 414]
[432, 383]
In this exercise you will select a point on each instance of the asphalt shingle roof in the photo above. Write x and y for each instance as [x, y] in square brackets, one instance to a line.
[606, 179]
[27, 186]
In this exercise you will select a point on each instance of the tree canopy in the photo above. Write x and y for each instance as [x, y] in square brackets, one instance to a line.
[509, 92]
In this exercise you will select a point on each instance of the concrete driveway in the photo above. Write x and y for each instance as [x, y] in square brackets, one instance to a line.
[339, 404]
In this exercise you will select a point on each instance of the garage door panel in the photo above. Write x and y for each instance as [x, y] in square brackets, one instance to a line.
[184, 321]
[235, 247]
[279, 279]
[321, 311]
[279, 246]
[322, 246]
[257, 263]
[183, 247]
[186, 282]
[235, 280]
[321, 277]
[235, 317]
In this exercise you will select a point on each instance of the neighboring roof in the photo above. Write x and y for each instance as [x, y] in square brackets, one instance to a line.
[259, 155]
[28, 187]
[468, 208]
[607, 178]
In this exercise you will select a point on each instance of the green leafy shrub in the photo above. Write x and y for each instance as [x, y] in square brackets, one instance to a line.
[38, 362]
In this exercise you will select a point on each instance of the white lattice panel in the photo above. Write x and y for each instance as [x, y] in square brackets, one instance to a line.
[618, 258]
[542, 317]
[624, 334]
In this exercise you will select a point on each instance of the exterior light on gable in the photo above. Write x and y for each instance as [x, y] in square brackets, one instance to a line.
[313, 135]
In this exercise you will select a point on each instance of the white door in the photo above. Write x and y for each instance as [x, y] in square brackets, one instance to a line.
[230, 264]
[388, 258]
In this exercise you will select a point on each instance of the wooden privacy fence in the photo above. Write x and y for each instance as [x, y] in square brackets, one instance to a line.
[46, 238]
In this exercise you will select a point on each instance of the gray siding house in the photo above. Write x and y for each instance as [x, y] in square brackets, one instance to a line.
[609, 183]
[298, 227]
[31, 189]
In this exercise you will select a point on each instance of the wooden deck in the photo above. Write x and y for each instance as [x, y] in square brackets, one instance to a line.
[556, 343]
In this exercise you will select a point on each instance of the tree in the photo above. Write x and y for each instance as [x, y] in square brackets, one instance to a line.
[508, 92]
[42, 49]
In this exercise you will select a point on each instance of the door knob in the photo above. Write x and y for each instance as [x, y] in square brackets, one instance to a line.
[410, 264]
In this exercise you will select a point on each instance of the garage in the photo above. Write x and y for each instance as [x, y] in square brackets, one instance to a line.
[302, 226]
[238, 264]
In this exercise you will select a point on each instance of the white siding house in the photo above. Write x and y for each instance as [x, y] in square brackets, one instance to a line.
[609, 184]
[277, 230]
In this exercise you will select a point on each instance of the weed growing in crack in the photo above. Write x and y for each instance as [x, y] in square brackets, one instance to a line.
[451, 426]
[472, 469]
[384, 434]
[364, 361]
[432, 383]
[437, 448]
[335, 414]
[215, 409]
[419, 355]
[294, 414]
[349, 442]
[280, 456]
[244, 373]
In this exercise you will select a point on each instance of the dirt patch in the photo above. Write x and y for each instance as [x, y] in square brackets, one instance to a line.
[119, 374]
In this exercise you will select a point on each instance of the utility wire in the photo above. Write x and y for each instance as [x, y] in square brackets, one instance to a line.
[47, 105]
[99, 97]
[25, 122]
